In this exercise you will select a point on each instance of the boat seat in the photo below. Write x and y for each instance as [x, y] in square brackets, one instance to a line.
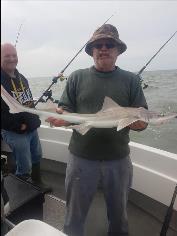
[34, 228]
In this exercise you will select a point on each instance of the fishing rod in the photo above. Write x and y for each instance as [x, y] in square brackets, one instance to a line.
[18, 34]
[144, 67]
[47, 92]
[168, 216]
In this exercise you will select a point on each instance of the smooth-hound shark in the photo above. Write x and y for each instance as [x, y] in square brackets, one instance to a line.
[111, 115]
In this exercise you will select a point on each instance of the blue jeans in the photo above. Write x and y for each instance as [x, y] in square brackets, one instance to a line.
[26, 149]
[82, 179]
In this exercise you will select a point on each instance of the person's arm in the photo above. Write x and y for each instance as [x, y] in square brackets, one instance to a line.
[10, 122]
[18, 122]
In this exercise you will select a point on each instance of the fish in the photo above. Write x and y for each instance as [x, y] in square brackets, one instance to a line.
[111, 115]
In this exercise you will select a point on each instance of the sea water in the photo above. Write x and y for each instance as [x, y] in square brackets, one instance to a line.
[161, 96]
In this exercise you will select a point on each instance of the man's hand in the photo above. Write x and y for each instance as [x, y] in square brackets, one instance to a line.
[23, 127]
[57, 122]
[138, 125]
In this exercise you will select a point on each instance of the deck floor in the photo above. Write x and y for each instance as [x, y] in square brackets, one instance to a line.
[140, 222]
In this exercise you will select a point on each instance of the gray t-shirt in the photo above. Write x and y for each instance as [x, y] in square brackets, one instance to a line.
[84, 93]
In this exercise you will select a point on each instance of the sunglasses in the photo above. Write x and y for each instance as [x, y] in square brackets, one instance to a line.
[107, 45]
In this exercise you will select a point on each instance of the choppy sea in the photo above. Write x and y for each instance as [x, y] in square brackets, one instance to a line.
[161, 95]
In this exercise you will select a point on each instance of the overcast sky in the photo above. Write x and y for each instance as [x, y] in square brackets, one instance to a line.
[53, 32]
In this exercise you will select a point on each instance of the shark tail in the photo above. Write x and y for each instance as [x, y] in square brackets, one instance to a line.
[14, 105]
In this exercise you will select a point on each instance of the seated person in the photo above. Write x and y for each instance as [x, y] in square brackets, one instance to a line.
[19, 130]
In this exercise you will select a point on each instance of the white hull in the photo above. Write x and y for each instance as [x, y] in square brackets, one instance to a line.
[155, 171]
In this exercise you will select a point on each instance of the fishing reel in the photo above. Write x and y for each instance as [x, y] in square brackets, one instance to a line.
[144, 85]
[48, 95]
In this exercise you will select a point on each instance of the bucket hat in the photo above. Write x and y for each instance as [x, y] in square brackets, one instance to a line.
[107, 31]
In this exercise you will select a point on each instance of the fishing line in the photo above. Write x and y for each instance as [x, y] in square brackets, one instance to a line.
[48, 93]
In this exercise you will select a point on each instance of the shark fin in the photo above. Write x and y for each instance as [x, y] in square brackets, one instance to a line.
[108, 102]
[82, 128]
[125, 122]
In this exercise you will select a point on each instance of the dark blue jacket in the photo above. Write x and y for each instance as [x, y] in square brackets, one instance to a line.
[17, 87]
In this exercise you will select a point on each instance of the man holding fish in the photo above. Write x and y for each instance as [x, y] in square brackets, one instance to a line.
[19, 131]
[101, 154]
